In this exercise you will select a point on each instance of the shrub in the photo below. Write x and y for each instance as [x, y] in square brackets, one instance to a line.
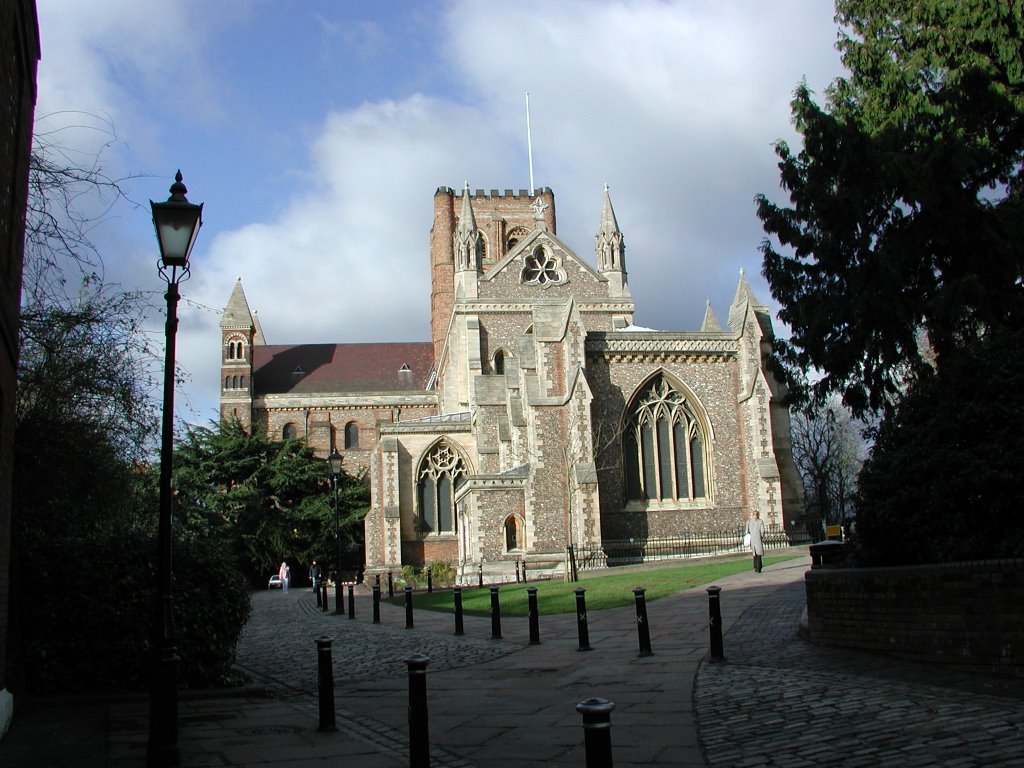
[211, 606]
[410, 576]
[442, 573]
[943, 479]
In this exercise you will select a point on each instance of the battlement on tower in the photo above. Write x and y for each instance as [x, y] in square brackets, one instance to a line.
[484, 194]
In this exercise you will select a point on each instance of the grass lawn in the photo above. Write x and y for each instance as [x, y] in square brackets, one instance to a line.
[611, 591]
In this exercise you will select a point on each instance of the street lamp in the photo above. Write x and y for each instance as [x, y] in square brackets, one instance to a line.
[335, 460]
[177, 223]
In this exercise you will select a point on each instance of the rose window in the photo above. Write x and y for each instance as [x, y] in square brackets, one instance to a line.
[541, 268]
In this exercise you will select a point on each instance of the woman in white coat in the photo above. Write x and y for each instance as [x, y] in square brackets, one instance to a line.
[755, 529]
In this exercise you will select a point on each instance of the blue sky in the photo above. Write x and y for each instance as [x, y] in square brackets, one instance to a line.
[316, 133]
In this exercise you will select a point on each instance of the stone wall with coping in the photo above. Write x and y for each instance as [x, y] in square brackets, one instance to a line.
[966, 615]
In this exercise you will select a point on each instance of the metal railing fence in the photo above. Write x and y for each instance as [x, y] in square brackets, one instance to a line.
[615, 552]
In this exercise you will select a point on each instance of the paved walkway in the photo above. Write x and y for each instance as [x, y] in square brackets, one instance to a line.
[777, 701]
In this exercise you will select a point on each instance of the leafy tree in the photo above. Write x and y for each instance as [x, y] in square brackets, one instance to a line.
[84, 510]
[85, 375]
[271, 500]
[828, 452]
[906, 216]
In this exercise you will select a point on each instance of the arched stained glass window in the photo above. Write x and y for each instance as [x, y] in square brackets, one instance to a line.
[442, 471]
[663, 446]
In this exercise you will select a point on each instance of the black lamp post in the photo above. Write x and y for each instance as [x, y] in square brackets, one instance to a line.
[177, 223]
[335, 460]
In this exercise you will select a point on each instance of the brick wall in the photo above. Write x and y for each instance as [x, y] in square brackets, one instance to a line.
[967, 615]
[19, 54]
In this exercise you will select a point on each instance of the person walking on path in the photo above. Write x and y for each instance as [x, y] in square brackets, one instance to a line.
[285, 575]
[755, 530]
[314, 575]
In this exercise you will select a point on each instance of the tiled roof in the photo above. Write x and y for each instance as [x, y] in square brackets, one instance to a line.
[341, 368]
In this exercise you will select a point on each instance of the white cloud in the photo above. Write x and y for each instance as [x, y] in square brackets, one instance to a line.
[675, 104]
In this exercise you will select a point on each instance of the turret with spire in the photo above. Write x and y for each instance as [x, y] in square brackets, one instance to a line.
[611, 249]
[466, 241]
[239, 332]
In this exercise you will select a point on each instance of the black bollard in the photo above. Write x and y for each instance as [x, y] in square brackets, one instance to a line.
[419, 735]
[430, 581]
[351, 601]
[643, 631]
[325, 675]
[495, 615]
[517, 571]
[524, 572]
[376, 579]
[480, 575]
[581, 619]
[323, 590]
[391, 584]
[715, 623]
[339, 597]
[376, 602]
[597, 731]
[531, 600]
[319, 602]
[458, 610]
[408, 607]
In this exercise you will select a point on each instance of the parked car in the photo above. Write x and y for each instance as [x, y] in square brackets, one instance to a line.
[275, 582]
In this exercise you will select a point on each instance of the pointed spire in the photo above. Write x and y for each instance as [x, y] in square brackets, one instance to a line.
[744, 291]
[236, 313]
[608, 222]
[610, 246]
[744, 297]
[710, 324]
[466, 218]
[467, 236]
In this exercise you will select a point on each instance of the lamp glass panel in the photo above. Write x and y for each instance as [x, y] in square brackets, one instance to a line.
[176, 229]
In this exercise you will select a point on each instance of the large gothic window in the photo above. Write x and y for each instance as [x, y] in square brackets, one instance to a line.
[442, 471]
[663, 446]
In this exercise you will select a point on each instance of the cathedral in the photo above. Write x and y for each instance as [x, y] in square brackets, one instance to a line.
[538, 416]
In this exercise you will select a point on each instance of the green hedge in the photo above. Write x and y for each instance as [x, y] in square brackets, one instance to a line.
[87, 614]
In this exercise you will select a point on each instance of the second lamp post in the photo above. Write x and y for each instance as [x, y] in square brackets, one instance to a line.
[335, 460]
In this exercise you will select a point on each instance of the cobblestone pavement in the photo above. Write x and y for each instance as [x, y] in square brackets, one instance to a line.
[779, 701]
[776, 701]
[278, 645]
[278, 649]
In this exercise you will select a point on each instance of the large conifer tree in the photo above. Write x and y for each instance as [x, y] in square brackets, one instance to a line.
[902, 242]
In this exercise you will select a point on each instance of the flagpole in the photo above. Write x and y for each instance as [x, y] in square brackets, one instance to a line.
[529, 143]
